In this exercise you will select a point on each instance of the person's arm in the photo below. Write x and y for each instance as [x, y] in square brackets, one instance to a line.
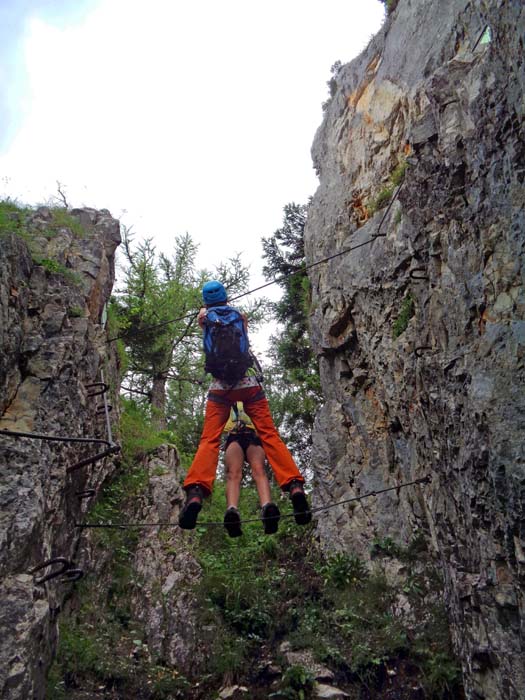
[202, 315]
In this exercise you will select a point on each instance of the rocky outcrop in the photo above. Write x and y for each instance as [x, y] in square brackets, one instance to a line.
[55, 281]
[164, 602]
[421, 331]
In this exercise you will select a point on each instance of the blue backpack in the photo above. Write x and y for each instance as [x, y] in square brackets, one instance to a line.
[226, 344]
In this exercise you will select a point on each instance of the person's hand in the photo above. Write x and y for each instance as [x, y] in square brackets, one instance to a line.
[202, 315]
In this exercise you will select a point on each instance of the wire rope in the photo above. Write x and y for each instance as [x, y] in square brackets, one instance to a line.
[422, 480]
[277, 280]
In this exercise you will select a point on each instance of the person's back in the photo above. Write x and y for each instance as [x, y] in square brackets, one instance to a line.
[226, 344]
[222, 394]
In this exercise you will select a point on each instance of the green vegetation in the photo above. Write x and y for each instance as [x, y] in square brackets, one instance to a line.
[398, 173]
[297, 684]
[53, 267]
[62, 219]
[100, 642]
[254, 592]
[259, 590]
[16, 219]
[76, 312]
[292, 383]
[155, 314]
[385, 195]
[12, 218]
[405, 314]
[390, 5]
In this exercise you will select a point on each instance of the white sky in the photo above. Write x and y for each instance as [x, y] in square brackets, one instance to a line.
[176, 116]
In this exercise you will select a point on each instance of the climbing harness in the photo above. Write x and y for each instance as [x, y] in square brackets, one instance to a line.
[423, 480]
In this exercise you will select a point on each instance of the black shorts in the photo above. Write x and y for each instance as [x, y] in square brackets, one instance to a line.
[244, 439]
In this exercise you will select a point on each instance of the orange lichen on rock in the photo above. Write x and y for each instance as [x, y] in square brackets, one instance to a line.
[359, 208]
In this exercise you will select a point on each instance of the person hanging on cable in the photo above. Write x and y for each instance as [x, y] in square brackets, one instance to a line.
[243, 444]
[229, 360]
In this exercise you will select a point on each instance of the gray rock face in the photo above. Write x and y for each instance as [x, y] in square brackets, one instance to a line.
[421, 333]
[164, 602]
[52, 346]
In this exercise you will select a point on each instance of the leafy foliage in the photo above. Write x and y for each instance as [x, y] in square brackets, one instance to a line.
[342, 570]
[100, 642]
[156, 311]
[258, 590]
[297, 684]
[293, 383]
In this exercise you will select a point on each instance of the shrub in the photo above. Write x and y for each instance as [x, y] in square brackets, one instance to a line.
[385, 546]
[385, 195]
[297, 684]
[341, 570]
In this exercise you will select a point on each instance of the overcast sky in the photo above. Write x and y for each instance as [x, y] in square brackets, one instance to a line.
[177, 116]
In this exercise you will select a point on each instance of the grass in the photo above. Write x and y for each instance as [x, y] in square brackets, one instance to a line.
[62, 219]
[254, 592]
[15, 219]
[53, 267]
[101, 643]
[385, 195]
[258, 590]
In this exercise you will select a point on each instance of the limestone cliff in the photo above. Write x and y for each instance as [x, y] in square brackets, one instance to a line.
[57, 271]
[55, 280]
[420, 333]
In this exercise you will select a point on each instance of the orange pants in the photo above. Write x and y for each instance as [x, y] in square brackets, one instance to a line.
[204, 465]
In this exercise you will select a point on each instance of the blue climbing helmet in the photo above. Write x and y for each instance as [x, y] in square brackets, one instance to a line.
[213, 292]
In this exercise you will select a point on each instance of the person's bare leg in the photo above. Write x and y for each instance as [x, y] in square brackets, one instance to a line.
[233, 461]
[270, 512]
[256, 457]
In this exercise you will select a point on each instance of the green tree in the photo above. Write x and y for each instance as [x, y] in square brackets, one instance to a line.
[293, 379]
[157, 308]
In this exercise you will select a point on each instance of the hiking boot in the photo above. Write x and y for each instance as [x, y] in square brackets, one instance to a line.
[188, 515]
[270, 516]
[232, 522]
[300, 505]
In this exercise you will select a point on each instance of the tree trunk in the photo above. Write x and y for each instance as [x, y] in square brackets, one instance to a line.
[158, 402]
